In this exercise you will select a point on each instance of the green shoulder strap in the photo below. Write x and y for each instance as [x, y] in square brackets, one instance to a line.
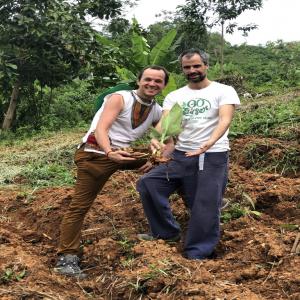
[110, 90]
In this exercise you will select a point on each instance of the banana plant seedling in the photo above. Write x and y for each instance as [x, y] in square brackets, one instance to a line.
[171, 126]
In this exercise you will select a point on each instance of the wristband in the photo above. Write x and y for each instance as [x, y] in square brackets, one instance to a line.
[106, 154]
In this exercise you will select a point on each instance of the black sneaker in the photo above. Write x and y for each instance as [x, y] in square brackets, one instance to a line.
[149, 237]
[68, 264]
[213, 255]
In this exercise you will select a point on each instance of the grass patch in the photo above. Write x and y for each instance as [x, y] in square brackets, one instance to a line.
[278, 118]
[43, 160]
[41, 174]
[13, 273]
[272, 157]
[236, 210]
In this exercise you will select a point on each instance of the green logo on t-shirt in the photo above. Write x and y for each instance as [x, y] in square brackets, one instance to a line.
[195, 107]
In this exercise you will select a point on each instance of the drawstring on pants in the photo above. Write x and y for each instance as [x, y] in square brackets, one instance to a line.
[201, 161]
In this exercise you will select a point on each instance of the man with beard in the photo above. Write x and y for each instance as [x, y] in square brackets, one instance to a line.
[199, 163]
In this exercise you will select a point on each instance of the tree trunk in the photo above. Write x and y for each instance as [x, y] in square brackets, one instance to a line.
[9, 116]
[222, 50]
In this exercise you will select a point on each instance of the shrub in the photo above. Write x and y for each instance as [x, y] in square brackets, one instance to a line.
[65, 107]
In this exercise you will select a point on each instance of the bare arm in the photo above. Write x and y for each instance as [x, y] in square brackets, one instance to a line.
[111, 110]
[226, 113]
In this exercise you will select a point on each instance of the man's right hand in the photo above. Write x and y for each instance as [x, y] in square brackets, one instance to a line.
[165, 149]
[155, 145]
[120, 156]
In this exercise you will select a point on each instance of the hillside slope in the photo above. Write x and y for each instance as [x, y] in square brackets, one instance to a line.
[254, 259]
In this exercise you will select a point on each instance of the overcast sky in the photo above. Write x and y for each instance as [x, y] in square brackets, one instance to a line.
[278, 19]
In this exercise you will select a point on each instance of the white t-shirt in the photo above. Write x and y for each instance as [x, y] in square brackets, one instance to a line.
[121, 132]
[201, 114]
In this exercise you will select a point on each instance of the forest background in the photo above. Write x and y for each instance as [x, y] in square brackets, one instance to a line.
[54, 63]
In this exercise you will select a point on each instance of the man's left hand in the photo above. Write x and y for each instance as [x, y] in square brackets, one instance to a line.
[203, 148]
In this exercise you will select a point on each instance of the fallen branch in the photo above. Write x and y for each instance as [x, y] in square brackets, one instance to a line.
[47, 236]
[269, 275]
[91, 230]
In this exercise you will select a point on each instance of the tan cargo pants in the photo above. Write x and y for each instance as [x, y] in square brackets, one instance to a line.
[93, 170]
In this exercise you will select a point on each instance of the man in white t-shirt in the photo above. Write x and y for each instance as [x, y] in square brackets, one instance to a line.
[123, 118]
[199, 164]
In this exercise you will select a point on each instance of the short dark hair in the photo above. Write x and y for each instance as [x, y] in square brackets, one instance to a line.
[155, 67]
[191, 52]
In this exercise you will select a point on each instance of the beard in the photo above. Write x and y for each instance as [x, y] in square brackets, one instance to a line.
[195, 77]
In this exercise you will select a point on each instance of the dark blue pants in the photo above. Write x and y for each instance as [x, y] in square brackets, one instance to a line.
[202, 191]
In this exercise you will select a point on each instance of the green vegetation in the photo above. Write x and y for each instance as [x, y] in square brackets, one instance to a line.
[54, 64]
[244, 206]
[42, 160]
[170, 124]
[47, 175]
[271, 68]
[273, 158]
[235, 211]
[12, 274]
[163, 268]
[51, 74]
[274, 120]
[69, 106]
[50, 42]
[276, 117]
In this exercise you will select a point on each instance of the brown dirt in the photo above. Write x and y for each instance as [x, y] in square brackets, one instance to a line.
[253, 259]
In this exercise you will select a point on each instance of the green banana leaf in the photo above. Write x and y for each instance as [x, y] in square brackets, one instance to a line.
[177, 43]
[140, 50]
[170, 124]
[171, 86]
[154, 134]
[125, 74]
[162, 48]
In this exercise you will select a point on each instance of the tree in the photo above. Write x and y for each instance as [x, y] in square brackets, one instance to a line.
[118, 27]
[192, 24]
[214, 47]
[156, 31]
[100, 9]
[47, 41]
[228, 10]
[189, 23]
[221, 12]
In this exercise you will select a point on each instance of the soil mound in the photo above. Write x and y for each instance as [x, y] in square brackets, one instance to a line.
[252, 261]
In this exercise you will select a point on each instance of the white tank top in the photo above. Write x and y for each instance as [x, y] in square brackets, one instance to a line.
[121, 133]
